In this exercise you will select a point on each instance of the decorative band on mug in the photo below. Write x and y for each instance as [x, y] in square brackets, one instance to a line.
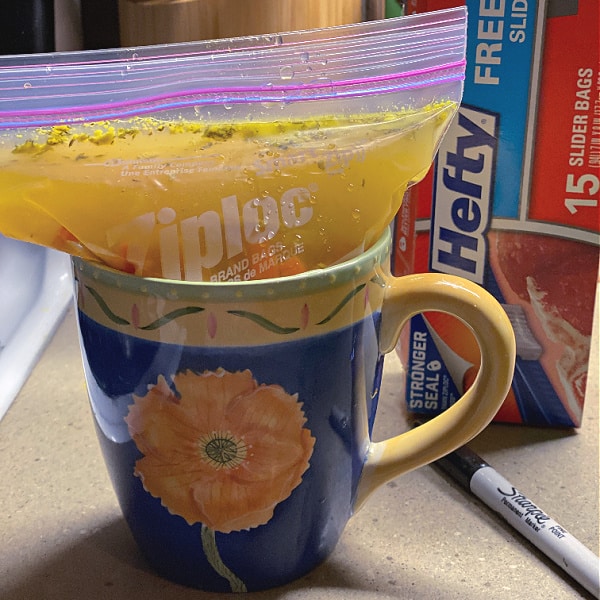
[234, 313]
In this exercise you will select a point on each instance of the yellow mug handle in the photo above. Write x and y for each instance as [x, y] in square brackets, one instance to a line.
[412, 294]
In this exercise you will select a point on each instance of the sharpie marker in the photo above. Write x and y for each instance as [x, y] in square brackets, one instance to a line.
[476, 476]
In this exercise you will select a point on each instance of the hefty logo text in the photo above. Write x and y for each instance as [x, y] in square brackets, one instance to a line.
[463, 195]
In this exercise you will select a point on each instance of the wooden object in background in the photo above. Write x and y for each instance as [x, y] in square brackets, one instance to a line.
[145, 22]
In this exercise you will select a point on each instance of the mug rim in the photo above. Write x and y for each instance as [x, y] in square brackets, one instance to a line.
[310, 281]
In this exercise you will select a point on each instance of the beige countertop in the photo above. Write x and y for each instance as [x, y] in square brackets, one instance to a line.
[62, 536]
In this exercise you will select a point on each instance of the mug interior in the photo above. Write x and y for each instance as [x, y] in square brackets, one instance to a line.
[311, 281]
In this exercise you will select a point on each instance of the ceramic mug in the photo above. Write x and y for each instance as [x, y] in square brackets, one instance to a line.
[235, 418]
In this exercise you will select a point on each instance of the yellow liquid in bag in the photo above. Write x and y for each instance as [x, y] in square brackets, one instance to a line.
[197, 201]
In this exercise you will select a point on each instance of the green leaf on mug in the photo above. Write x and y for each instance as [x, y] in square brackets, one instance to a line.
[174, 314]
[264, 323]
[102, 304]
[341, 305]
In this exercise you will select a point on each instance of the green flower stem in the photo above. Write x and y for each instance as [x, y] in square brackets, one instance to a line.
[209, 544]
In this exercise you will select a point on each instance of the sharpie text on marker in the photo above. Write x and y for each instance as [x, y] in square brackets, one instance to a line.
[523, 507]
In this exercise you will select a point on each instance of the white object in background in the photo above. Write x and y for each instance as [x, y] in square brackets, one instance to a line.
[35, 291]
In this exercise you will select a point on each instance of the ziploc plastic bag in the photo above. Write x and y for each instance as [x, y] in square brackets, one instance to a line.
[228, 159]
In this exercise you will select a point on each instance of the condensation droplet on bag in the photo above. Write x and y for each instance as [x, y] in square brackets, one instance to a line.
[286, 72]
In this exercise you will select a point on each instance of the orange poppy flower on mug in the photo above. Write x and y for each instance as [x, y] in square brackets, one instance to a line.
[222, 450]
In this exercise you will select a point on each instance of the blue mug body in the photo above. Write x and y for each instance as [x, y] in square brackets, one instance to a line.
[259, 396]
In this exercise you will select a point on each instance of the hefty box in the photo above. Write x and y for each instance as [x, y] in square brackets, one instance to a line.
[511, 203]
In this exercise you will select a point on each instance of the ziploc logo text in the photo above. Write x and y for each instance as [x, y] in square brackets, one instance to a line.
[463, 196]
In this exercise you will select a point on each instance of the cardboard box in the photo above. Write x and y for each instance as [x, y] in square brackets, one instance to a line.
[512, 204]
